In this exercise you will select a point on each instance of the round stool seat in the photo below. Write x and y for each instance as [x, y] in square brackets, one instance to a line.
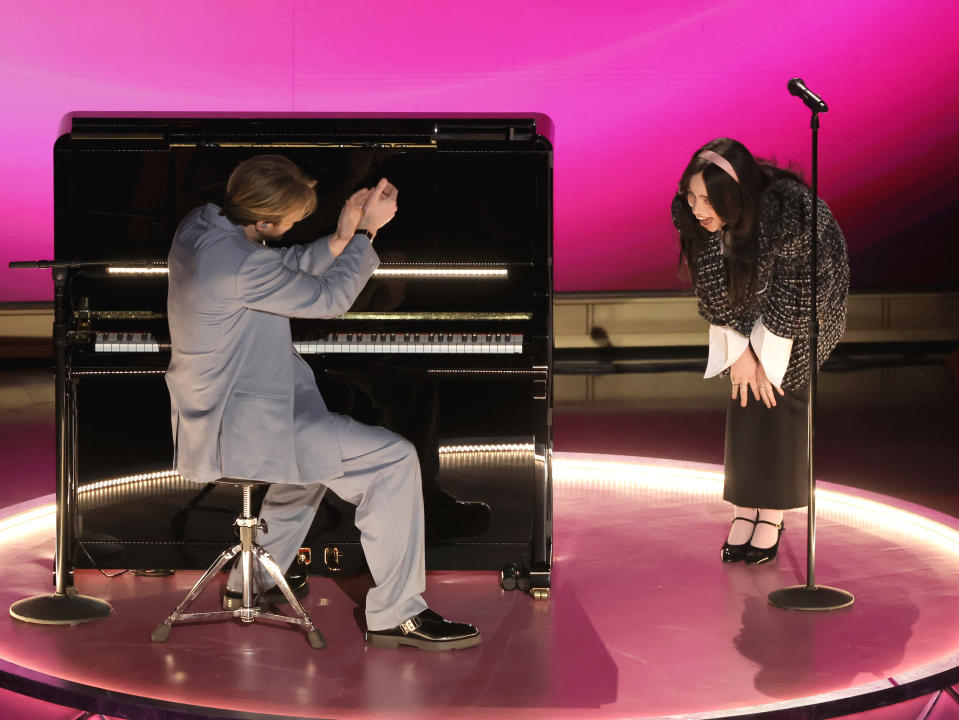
[239, 482]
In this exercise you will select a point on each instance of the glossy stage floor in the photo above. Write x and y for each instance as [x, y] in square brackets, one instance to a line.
[638, 624]
[643, 620]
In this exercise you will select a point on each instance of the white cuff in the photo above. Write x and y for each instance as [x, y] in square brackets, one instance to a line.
[772, 352]
[725, 347]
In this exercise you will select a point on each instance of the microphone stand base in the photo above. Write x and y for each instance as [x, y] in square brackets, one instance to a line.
[60, 609]
[803, 597]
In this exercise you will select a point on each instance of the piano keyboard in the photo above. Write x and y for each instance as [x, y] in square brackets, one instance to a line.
[125, 342]
[426, 343]
[392, 343]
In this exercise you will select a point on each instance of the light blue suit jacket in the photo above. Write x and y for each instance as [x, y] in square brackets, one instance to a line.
[236, 383]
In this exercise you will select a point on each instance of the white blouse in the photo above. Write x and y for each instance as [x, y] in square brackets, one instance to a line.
[726, 345]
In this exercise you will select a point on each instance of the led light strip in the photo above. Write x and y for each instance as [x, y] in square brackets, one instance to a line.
[30, 519]
[503, 448]
[441, 272]
[434, 316]
[114, 482]
[380, 272]
[119, 270]
[479, 371]
[635, 474]
[118, 372]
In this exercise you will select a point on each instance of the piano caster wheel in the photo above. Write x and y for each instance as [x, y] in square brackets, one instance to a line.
[514, 578]
[539, 593]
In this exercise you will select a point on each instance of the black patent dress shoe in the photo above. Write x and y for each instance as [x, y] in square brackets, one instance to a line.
[736, 553]
[426, 631]
[759, 556]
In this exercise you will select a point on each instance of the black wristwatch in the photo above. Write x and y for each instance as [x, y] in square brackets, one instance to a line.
[363, 231]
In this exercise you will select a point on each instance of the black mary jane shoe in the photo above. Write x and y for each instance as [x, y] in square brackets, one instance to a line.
[426, 631]
[736, 553]
[759, 556]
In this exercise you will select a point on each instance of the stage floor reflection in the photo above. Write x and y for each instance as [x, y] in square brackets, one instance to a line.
[643, 620]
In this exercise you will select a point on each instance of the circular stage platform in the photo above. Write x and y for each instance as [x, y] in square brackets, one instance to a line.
[643, 621]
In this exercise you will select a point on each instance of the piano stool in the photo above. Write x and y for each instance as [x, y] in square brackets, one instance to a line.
[248, 550]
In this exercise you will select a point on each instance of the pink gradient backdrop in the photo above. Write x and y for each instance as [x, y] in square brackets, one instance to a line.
[632, 88]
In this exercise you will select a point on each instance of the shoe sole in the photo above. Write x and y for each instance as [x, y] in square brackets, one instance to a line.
[389, 641]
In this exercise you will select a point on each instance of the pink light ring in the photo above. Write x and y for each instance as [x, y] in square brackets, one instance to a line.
[716, 159]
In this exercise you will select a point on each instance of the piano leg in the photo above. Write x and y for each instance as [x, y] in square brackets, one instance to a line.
[539, 575]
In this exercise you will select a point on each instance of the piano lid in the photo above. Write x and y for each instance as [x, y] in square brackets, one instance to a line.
[298, 128]
[474, 227]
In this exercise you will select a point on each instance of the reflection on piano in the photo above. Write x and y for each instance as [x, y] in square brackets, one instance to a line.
[449, 344]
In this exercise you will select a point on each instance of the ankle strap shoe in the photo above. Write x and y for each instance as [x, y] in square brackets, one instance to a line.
[759, 556]
[735, 553]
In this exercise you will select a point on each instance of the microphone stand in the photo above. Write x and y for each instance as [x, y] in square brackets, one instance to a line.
[66, 606]
[810, 596]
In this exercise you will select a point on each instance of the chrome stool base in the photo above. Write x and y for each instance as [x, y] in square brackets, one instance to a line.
[248, 611]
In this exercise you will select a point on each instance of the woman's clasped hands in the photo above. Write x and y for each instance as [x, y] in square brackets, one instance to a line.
[747, 376]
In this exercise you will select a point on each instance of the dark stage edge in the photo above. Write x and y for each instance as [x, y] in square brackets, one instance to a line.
[643, 621]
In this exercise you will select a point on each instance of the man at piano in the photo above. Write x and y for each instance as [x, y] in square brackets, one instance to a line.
[244, 404]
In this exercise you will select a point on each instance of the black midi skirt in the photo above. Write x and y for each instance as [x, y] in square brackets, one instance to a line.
[766, 463]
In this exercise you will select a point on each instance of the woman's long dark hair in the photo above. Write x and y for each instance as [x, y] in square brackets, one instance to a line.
[737, 203]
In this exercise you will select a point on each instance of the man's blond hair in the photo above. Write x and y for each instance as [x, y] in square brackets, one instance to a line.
[268, 188]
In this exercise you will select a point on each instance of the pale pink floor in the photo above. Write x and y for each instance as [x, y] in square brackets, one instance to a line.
[643, 621]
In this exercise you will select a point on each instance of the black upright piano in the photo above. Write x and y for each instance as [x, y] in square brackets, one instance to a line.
[449, 344]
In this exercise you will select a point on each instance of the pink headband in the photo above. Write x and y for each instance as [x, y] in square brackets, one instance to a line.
[716, 159]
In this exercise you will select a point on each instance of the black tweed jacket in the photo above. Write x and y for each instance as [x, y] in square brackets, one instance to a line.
[783, 276]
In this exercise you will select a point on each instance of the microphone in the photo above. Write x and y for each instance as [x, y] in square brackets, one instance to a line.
[798, 88]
